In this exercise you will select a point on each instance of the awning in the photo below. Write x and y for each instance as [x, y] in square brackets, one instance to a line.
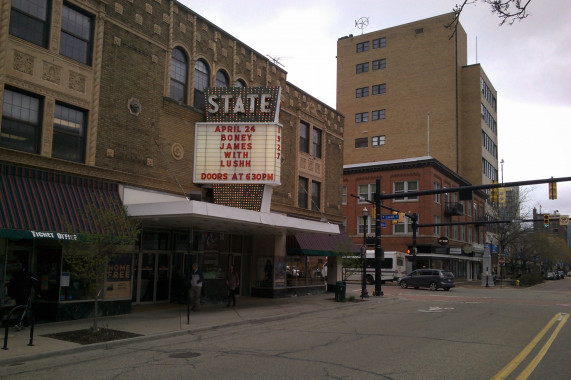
[40, 204]
[320, 244]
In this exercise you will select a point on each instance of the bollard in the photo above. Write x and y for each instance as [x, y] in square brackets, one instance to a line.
[516, 282]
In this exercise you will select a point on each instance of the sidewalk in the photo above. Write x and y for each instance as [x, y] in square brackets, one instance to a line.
[158, 321]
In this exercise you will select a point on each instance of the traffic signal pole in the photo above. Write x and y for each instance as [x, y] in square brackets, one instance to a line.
[379, 252]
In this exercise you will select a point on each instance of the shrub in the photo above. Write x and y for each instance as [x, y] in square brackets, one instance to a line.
[530, 279]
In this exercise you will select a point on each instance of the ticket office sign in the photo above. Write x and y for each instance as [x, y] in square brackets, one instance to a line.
[240, 153]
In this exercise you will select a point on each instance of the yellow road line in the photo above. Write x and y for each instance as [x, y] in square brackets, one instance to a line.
[511, 366]
[531, 366]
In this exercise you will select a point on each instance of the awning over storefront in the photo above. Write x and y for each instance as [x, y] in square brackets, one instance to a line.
[40, 204]
[320, 244]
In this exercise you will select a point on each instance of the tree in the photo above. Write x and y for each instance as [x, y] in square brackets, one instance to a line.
[103, 233]
[509, 11]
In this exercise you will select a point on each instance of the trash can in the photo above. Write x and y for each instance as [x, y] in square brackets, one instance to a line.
[340, 287]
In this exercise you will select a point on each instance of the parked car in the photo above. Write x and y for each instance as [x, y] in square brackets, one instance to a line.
[428, 278]
[569, 273]
[561, 274]
[550, 276]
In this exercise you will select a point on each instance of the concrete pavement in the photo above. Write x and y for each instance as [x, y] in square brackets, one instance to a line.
[163, 320]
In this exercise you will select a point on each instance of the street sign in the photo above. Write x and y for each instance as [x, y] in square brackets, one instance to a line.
[443, 240]
[390, 217]
[502, 261]
[383, 224]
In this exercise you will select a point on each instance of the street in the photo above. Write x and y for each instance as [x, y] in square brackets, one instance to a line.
[467, 333]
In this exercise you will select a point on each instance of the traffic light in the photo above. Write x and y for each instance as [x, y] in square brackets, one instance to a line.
[494, 194]
[553, 190]
[395, 221]
[546, 220]
[401, 217]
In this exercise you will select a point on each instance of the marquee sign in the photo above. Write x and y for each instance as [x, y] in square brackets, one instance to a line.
[241, 141]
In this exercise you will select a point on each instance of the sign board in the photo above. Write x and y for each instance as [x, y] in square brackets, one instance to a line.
[237, 153]
[390, 217]
[502, 261]
[443, 240]
[241, 141]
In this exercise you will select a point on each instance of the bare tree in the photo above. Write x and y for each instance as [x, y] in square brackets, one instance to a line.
[508, 11]
[103, 234]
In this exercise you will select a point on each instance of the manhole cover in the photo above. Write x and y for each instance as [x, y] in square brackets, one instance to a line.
[184, 355]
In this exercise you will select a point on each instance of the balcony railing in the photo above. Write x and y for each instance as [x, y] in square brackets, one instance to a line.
[454, 208]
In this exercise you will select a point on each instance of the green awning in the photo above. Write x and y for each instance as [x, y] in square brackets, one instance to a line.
[40, 204]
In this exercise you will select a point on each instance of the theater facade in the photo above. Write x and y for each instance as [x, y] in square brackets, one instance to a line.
[150, 106]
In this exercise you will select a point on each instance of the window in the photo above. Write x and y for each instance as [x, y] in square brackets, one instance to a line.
[436, 196]
[222, 79]
[469, 234]
[315, 196]
[489, 144]
[179, 65]
[379, 43]
[302, 192]
[378, 115]
[362, 67]
[361, 117]
[366, 191]
[437, 221]
[489, 170]
[201, 75]
[29, 21]
[76, 35]
[344, 196]
[69, 133]
[378, 140]
[363, 46]
[240, 83]
[403, 228]
[379, 89]
[316, 142]
[362, 142]
[21, 122]
[362, 92]
[405, 187]
[303, 137]
[361, 226]
[379, 64]
[419, 31]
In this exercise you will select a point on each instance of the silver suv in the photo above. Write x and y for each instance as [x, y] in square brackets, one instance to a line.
[428, 278]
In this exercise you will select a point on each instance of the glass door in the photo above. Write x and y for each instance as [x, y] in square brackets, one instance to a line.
[163, 276]
[148, 269]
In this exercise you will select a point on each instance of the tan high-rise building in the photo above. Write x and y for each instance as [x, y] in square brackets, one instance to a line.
[408, 91]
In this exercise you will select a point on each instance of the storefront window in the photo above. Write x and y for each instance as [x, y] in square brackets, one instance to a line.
[304, 270]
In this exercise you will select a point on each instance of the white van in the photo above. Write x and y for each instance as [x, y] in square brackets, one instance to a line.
[393, 267]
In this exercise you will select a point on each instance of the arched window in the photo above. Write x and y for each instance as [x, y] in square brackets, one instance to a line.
[201, 75]
[222, 79]
[240, 83]
[179, 69]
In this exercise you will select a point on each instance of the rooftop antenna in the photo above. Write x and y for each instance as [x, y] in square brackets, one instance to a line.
[362, 23]
[276, 60]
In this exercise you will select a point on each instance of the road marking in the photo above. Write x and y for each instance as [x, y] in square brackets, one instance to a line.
[531, 366]
[435, 309]
[511, 366]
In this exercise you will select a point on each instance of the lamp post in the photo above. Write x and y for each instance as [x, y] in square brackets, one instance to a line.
[364, 292]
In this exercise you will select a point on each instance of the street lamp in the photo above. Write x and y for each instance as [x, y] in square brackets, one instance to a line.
[364, 292]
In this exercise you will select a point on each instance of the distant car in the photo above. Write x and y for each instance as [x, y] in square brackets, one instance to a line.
[428, 278]
[550, 276]
[561, 274]
[569, 273]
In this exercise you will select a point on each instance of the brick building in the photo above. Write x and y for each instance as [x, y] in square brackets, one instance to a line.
[408, 91]
[100, 103]
[463, 252]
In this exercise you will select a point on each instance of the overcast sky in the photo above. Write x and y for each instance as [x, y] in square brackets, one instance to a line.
[528, 63]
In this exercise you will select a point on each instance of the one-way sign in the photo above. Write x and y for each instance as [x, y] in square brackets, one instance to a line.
[390, 217]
